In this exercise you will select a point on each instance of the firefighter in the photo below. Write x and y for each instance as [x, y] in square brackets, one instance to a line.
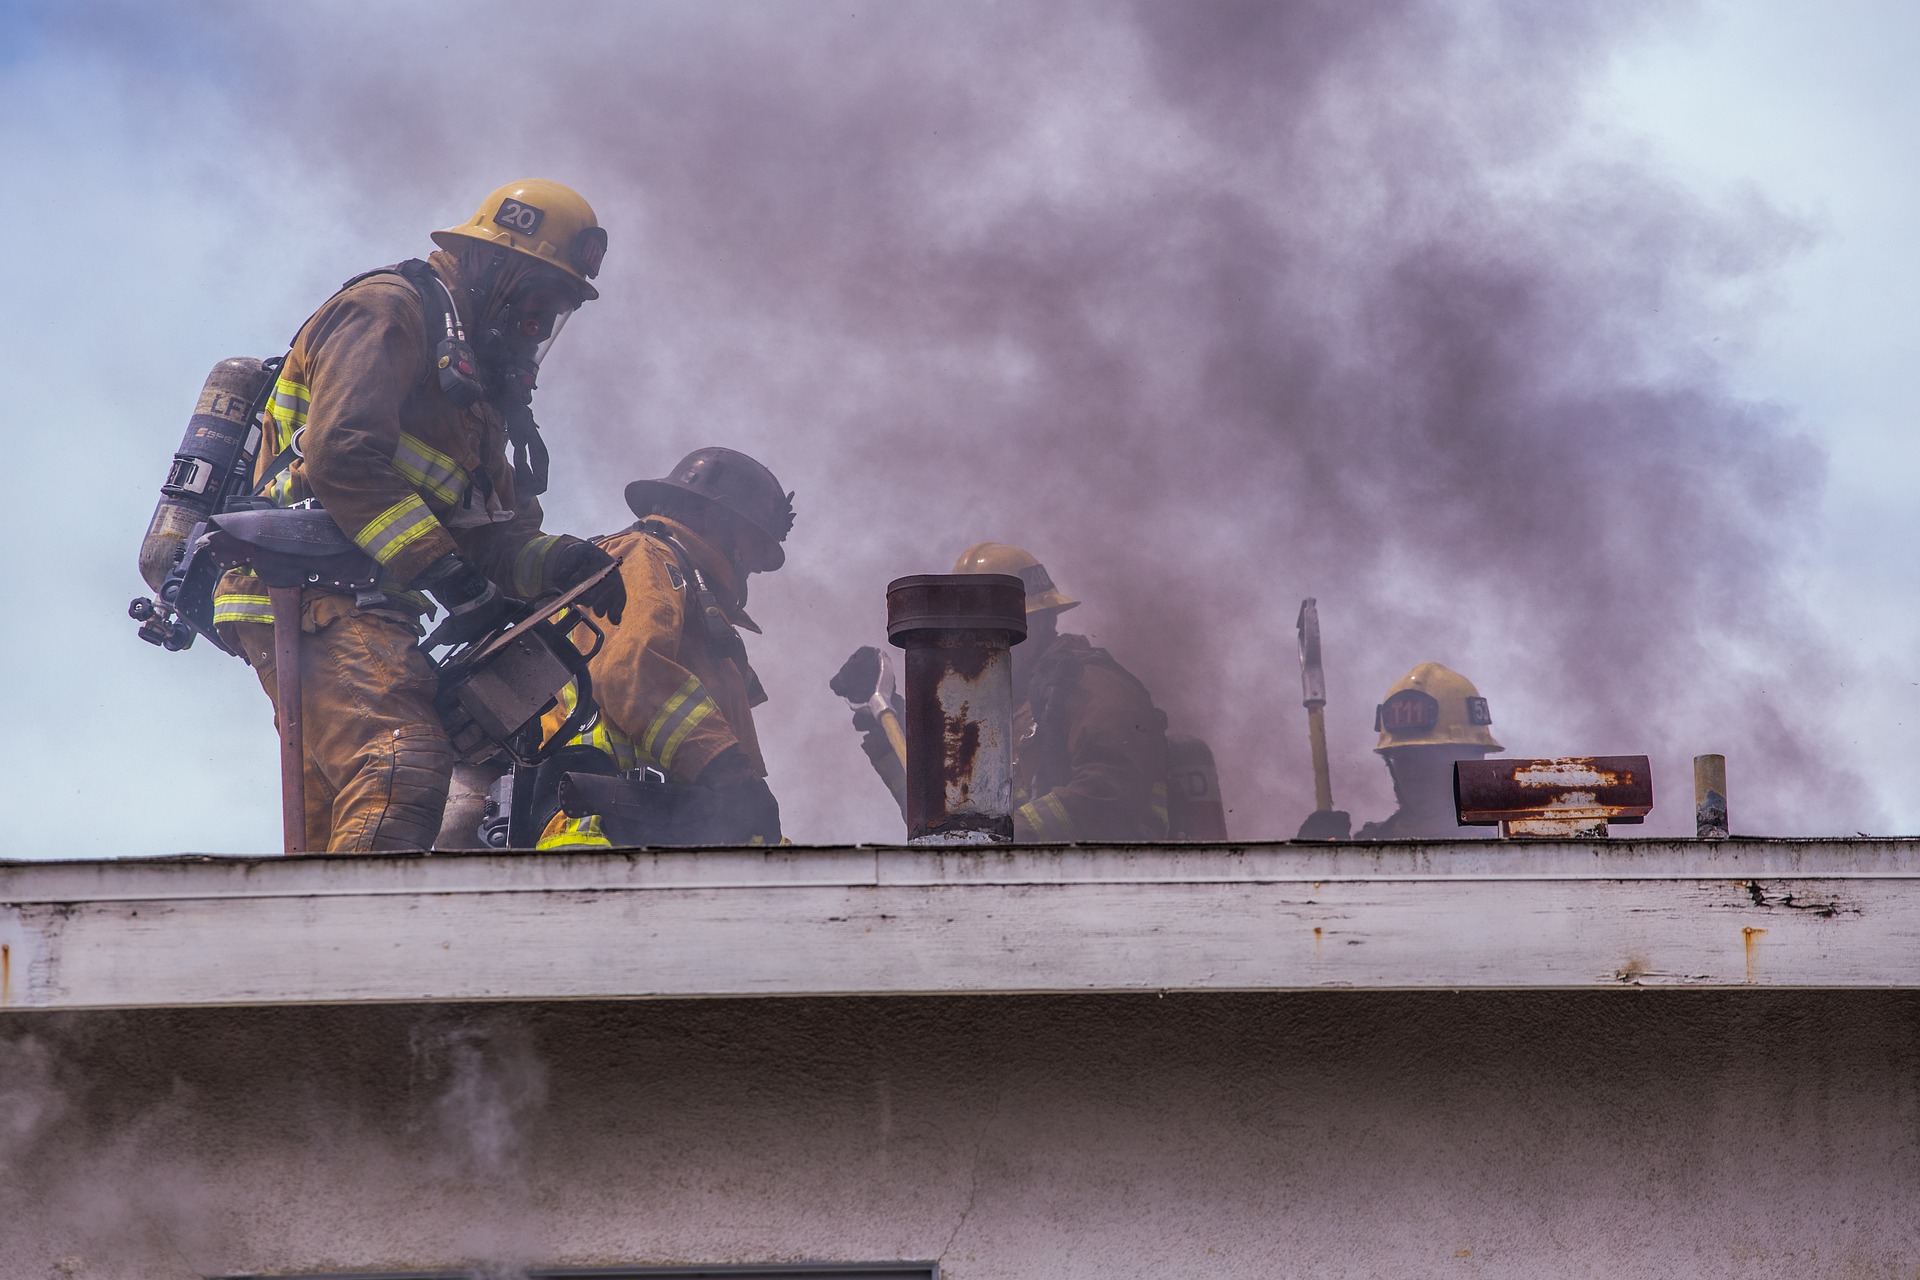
[1089, 746]
[395, 411]
[1431, 717]
[675, 690]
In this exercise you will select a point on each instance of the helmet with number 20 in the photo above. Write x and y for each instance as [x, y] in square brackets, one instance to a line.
[543, 220]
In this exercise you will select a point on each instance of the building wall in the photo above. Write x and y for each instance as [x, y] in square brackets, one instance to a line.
[1630, 1133]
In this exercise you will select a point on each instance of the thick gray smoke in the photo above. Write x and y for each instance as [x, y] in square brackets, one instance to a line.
[1212, 305]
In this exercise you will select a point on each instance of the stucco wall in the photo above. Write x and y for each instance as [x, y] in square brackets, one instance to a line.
[1760, 1133]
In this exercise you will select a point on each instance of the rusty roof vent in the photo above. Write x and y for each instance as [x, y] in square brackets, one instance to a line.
[1565, 797]
[958, 630]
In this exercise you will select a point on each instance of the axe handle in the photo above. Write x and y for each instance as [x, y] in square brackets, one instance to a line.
[1322, 776]
[896, 735]
[286, 676]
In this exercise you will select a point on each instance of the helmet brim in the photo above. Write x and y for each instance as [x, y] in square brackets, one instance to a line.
[454, 239]
[1477, 737]
[645, 497]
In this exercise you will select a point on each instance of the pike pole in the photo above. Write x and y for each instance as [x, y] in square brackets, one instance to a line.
[1313, 696]
[286, 676]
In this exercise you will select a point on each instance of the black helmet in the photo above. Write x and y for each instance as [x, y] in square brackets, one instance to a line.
[731, 481]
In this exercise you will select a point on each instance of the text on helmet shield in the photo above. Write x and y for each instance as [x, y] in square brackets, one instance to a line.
[517, 215]
[589, 249]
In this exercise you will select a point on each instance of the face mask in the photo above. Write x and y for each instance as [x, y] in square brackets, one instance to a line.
[525, 331]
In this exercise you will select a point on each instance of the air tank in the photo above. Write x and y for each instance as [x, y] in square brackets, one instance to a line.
[222, 436]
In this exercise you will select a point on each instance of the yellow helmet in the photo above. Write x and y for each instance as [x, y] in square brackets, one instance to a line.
[1432, 706]
[543, 220]
[998, 557]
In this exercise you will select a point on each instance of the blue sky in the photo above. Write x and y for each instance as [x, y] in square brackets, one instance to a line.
[1811, 107]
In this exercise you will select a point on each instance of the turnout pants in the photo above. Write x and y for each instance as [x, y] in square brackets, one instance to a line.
[378, 760]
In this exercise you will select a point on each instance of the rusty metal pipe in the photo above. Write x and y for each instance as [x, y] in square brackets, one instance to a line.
[958, 631]
[286, 676]
[1710, 797]
[1564, 797]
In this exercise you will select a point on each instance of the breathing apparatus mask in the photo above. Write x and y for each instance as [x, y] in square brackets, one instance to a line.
[520, 333]
[522, 309]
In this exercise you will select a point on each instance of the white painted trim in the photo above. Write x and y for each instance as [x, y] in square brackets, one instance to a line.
[843, 921]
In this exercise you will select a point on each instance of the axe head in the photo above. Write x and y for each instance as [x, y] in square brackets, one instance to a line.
[1313, 682]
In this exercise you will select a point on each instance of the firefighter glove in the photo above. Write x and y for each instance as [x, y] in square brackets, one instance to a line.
[859, 676]
[581, 561]
[475, 607]
[1326, 824]
[745, 809]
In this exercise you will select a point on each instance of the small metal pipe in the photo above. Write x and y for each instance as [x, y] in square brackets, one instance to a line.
[1710, 797]
[958, 630]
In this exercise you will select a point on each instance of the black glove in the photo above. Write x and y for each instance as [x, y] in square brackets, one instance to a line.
[858, 676]
[744, 806]
[475, 607]
[575, 564]
[1326, 824]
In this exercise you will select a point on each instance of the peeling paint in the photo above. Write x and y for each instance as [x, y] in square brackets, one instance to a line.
[1761, 898]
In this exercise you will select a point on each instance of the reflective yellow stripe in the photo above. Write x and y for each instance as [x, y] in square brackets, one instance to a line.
[573, 833]
[530, 565]
[676, 718]
[1048, 818]
[397, 528]
[603, 736]
[242, 608]
[430, 471]
[286, 415]
[1052, 802]
[288, 410]
[700, 712]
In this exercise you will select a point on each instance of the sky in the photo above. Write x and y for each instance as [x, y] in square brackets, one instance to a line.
[1565, 344]
[1808, 107]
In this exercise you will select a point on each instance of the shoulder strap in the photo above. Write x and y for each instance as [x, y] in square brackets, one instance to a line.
[287, 456]
[448, 354]
[702, 600]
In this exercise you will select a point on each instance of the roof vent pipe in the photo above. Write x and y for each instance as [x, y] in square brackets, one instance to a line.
[958, 630]
[1710, 797]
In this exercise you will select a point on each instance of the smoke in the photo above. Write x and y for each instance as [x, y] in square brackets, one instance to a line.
[1213, 306]
[30, 1101]
[484, 1087]
[130, 1144]
[88, 1169]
